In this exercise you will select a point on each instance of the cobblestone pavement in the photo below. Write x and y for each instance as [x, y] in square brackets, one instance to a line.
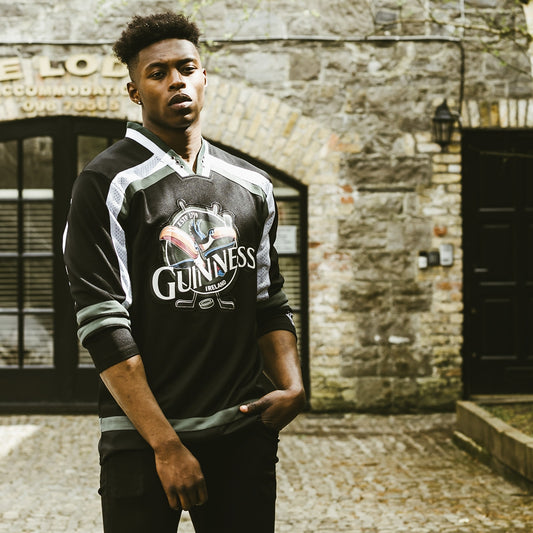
[346, 473]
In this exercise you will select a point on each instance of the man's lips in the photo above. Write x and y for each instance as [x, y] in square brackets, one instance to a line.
[178, 99]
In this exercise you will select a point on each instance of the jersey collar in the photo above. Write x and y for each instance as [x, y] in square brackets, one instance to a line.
[160, 149]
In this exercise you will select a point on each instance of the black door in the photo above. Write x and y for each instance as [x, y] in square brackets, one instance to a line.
[42, 365]
[498, 261]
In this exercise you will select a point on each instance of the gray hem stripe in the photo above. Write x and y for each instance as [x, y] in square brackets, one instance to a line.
[123, 423]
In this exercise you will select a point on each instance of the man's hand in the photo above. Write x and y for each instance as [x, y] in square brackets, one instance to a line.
[178, 470]
[277, 408]
[282, 366]
[181, 476]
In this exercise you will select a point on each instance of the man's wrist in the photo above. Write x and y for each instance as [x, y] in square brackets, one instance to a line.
[297, 395]
[165, 441]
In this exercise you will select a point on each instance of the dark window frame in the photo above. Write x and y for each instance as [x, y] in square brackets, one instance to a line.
[67, 386]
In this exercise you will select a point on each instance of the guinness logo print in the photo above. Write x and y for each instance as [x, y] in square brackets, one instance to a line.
[202, 256]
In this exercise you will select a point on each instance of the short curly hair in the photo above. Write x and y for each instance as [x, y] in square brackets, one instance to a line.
[144, 31]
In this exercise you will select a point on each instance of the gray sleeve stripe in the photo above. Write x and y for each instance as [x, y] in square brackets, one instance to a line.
[92, 312]
[122, 423]
[277, 300]
[101, 323]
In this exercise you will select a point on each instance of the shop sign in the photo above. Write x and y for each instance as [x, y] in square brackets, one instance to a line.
[286, 240]
[83, 83]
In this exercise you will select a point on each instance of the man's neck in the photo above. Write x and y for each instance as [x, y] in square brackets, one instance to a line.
[185, 142]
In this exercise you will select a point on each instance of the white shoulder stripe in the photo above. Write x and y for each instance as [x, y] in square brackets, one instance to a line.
[144, 141]
[114, 202]
[228, 170]
[263, 253]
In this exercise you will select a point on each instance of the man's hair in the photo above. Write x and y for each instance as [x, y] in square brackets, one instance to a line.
[144, 31]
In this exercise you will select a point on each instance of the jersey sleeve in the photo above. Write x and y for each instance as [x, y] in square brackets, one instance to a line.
[96, 262]
[273, 309]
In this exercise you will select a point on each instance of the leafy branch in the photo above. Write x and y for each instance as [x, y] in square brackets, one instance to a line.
[495, 32]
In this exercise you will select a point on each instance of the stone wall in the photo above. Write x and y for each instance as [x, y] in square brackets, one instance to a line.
[339, 95]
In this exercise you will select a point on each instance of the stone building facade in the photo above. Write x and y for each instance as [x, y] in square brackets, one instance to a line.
[337, 96]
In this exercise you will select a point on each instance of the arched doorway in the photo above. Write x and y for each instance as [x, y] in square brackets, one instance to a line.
[42, 365]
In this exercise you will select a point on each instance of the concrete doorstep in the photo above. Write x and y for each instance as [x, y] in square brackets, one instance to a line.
[504, 448]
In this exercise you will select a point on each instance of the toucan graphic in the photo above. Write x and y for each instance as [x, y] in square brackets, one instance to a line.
[200, 245]
[197, 246]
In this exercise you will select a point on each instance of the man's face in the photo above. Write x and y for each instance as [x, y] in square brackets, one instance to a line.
[169, 82]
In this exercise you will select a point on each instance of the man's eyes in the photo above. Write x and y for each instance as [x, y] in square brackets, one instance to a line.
[186, 70]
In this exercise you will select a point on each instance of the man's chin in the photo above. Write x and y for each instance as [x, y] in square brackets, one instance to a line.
[183, 122]
[182, 125]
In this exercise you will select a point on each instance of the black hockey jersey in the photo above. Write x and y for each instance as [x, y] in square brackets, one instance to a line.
[180, 267]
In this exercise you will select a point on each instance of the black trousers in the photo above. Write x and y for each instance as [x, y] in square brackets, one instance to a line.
[240, 474]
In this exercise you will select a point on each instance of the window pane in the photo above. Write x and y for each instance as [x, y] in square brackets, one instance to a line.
[290, 268]
[288, 226]
[288, 212]
[283, 189]
[8, 283]
[38, 340]
[8, 340]
[38, 280]
[85, 358]
[37, 163]
[8, 166]
[8, 193]
[37, 227]
[9, 226]
[88, 148]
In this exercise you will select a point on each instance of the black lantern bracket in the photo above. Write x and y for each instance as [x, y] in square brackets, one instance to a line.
[443, 123]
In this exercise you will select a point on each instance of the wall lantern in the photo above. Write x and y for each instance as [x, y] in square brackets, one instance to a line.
[443, 122]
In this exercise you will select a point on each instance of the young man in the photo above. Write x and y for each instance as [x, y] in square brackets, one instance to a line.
[170, 256]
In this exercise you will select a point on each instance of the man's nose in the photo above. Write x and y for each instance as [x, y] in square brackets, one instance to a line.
[176, 79]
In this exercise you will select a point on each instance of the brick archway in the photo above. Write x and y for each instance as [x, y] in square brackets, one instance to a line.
[275, 133]
[270, 131]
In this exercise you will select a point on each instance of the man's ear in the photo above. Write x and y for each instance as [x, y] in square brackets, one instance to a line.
[134, 93]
